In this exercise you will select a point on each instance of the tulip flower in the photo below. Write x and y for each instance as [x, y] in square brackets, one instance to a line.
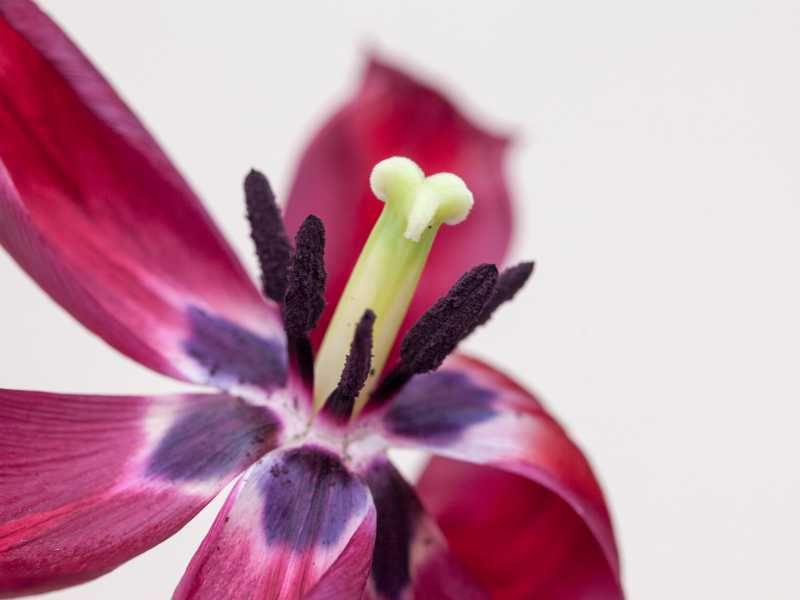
[345, 351]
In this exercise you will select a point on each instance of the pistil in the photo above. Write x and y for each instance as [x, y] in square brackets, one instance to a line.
[390, 265]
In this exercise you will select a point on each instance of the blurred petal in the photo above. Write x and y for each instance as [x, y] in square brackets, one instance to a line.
[545, 549]
[411, 558]
[88, 482]
[394, 114]
[93, 210]
[468, 411]
[297, 523]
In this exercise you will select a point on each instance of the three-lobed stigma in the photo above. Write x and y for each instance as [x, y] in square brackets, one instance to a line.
[425, 202]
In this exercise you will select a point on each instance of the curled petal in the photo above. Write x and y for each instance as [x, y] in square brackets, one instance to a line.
[93, 210]
[519, 539]
[298, 523]
[411, 557]
[468, 411]
[88, 482]
[395, 114]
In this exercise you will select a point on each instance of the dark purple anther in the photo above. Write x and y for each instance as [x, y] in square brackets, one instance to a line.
[444, 325]
[436, 334]
[304, 300]
[508, 284]
[356, 370]
[269, 236]
[305, 279]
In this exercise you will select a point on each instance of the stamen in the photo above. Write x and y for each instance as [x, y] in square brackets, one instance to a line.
[436, 334]
[508, 284]
[305, 293]
[269, 236]
[505, 288]
[390, 265]
[448, 321]
[356, 370]
[305, 279]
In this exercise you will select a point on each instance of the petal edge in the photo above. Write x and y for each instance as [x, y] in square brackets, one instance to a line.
[470, 412]
[88, 482]
[94, 212]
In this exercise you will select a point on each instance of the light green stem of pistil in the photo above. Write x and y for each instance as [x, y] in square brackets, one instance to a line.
[390, 265]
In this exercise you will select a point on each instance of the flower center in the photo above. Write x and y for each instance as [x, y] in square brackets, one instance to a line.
[390, 265]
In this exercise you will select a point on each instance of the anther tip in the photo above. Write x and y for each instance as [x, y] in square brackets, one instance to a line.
[314, 224]
[526, 267]
[252, 176]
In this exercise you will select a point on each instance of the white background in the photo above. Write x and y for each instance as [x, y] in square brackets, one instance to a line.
[658, 182]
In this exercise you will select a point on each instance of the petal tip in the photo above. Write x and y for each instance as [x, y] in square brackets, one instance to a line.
[380, 72]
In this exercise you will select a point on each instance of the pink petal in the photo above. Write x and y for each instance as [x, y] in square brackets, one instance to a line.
[394, 114]
[411, 557]
[93, 210]
[468, 411]
[297, 523]
[88, 482]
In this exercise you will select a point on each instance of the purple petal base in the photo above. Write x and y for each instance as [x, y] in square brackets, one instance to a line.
[297, 525]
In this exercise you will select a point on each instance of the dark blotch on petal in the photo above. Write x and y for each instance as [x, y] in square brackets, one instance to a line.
[439, 406]
[398, 510]
[232, 354]
[309, 498]
[210, 440]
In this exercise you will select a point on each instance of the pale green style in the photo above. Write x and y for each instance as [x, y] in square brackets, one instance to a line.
[388, 270]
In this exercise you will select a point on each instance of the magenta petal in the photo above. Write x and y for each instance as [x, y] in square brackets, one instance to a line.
[88, 482]
[299, 522]
[347, 576]
[518, 538]
[411, 557]
[93, 210]
[468, 411]
[394, 114]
